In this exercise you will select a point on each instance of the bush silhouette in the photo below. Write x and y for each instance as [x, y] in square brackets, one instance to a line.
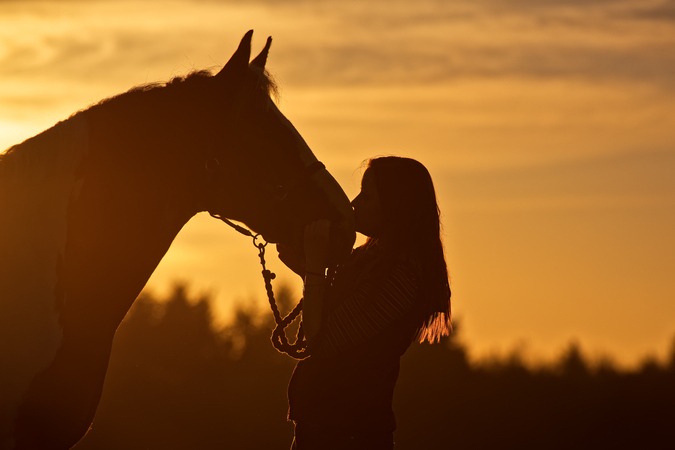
[177, 382]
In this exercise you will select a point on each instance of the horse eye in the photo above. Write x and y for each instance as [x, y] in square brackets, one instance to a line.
[280, 191]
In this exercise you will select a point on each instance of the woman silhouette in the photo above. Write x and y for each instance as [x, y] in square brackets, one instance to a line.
[360, 319]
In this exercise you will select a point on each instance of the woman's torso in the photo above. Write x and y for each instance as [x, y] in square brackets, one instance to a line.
[371, 316]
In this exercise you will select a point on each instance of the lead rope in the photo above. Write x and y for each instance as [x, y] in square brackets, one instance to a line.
[297, 349]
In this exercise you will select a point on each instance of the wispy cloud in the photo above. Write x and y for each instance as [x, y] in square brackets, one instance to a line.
[599, 182]
[74, 53]
[437, 41]
[663, 10]
[354, 42]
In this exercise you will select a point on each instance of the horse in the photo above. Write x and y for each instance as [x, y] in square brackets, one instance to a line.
[89, 207]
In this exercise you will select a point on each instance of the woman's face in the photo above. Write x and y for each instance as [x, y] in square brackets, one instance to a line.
[367, 208]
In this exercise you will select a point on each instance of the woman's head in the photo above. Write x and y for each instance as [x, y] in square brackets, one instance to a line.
[397, 195]
[397, 209]
[368, 215]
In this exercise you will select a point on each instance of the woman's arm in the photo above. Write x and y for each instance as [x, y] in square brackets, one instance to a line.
[316, 261]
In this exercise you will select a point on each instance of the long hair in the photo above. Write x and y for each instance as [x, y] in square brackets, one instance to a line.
[412, 229]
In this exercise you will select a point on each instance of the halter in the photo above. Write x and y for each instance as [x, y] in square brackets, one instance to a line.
[297, 349]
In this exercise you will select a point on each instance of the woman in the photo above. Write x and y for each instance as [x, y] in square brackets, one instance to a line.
[360, 320]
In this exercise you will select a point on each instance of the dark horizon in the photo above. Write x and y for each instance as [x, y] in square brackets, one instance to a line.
[176, 382]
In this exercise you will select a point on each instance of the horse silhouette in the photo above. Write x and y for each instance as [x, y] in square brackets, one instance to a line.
[89, 207]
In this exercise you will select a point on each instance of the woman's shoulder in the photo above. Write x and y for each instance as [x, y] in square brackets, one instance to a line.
[375, 256]
[404, 262]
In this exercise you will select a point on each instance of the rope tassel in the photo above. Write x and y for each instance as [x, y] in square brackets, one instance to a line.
[298, 348]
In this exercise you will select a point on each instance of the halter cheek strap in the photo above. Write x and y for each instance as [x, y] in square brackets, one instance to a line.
[314, 167]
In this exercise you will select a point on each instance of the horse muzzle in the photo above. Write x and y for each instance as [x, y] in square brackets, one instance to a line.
[343, 233]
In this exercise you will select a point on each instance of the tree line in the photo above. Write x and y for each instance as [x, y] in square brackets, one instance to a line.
[177, 381]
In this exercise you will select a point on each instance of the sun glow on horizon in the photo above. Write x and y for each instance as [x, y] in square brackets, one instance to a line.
[548, 131]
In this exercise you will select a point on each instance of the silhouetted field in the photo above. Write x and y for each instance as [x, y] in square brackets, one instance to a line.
[175, 382]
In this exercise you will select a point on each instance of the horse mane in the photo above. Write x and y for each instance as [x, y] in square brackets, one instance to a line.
[46, 156]
[195, 81]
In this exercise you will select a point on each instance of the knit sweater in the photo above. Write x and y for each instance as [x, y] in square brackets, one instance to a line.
[347, 384]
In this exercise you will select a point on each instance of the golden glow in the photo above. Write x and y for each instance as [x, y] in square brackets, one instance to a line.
[548, 131]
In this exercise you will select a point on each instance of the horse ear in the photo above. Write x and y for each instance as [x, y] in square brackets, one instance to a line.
[261, 59]
[239, 60]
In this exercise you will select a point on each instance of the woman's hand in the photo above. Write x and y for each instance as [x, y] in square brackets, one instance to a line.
[293, 258]
[317, 241]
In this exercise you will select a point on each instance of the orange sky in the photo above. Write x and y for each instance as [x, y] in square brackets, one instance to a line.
[547, 125]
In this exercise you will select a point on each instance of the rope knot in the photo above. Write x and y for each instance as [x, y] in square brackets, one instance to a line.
[268, 274]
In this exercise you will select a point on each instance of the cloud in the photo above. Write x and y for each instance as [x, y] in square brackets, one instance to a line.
[397, 42]
[622, 180]
[364, 42]
[354, 64]
[539, 5]
[440, 41]
[659, 11]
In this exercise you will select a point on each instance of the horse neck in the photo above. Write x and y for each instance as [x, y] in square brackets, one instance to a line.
[38, 178]
[81, 231]
[121, 224]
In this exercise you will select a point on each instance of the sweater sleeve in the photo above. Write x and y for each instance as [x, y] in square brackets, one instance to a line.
[369, 311]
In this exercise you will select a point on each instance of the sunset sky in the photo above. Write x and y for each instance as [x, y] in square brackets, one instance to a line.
[548, 126]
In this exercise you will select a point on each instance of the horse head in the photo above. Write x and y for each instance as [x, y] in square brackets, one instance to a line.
[259, 170]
